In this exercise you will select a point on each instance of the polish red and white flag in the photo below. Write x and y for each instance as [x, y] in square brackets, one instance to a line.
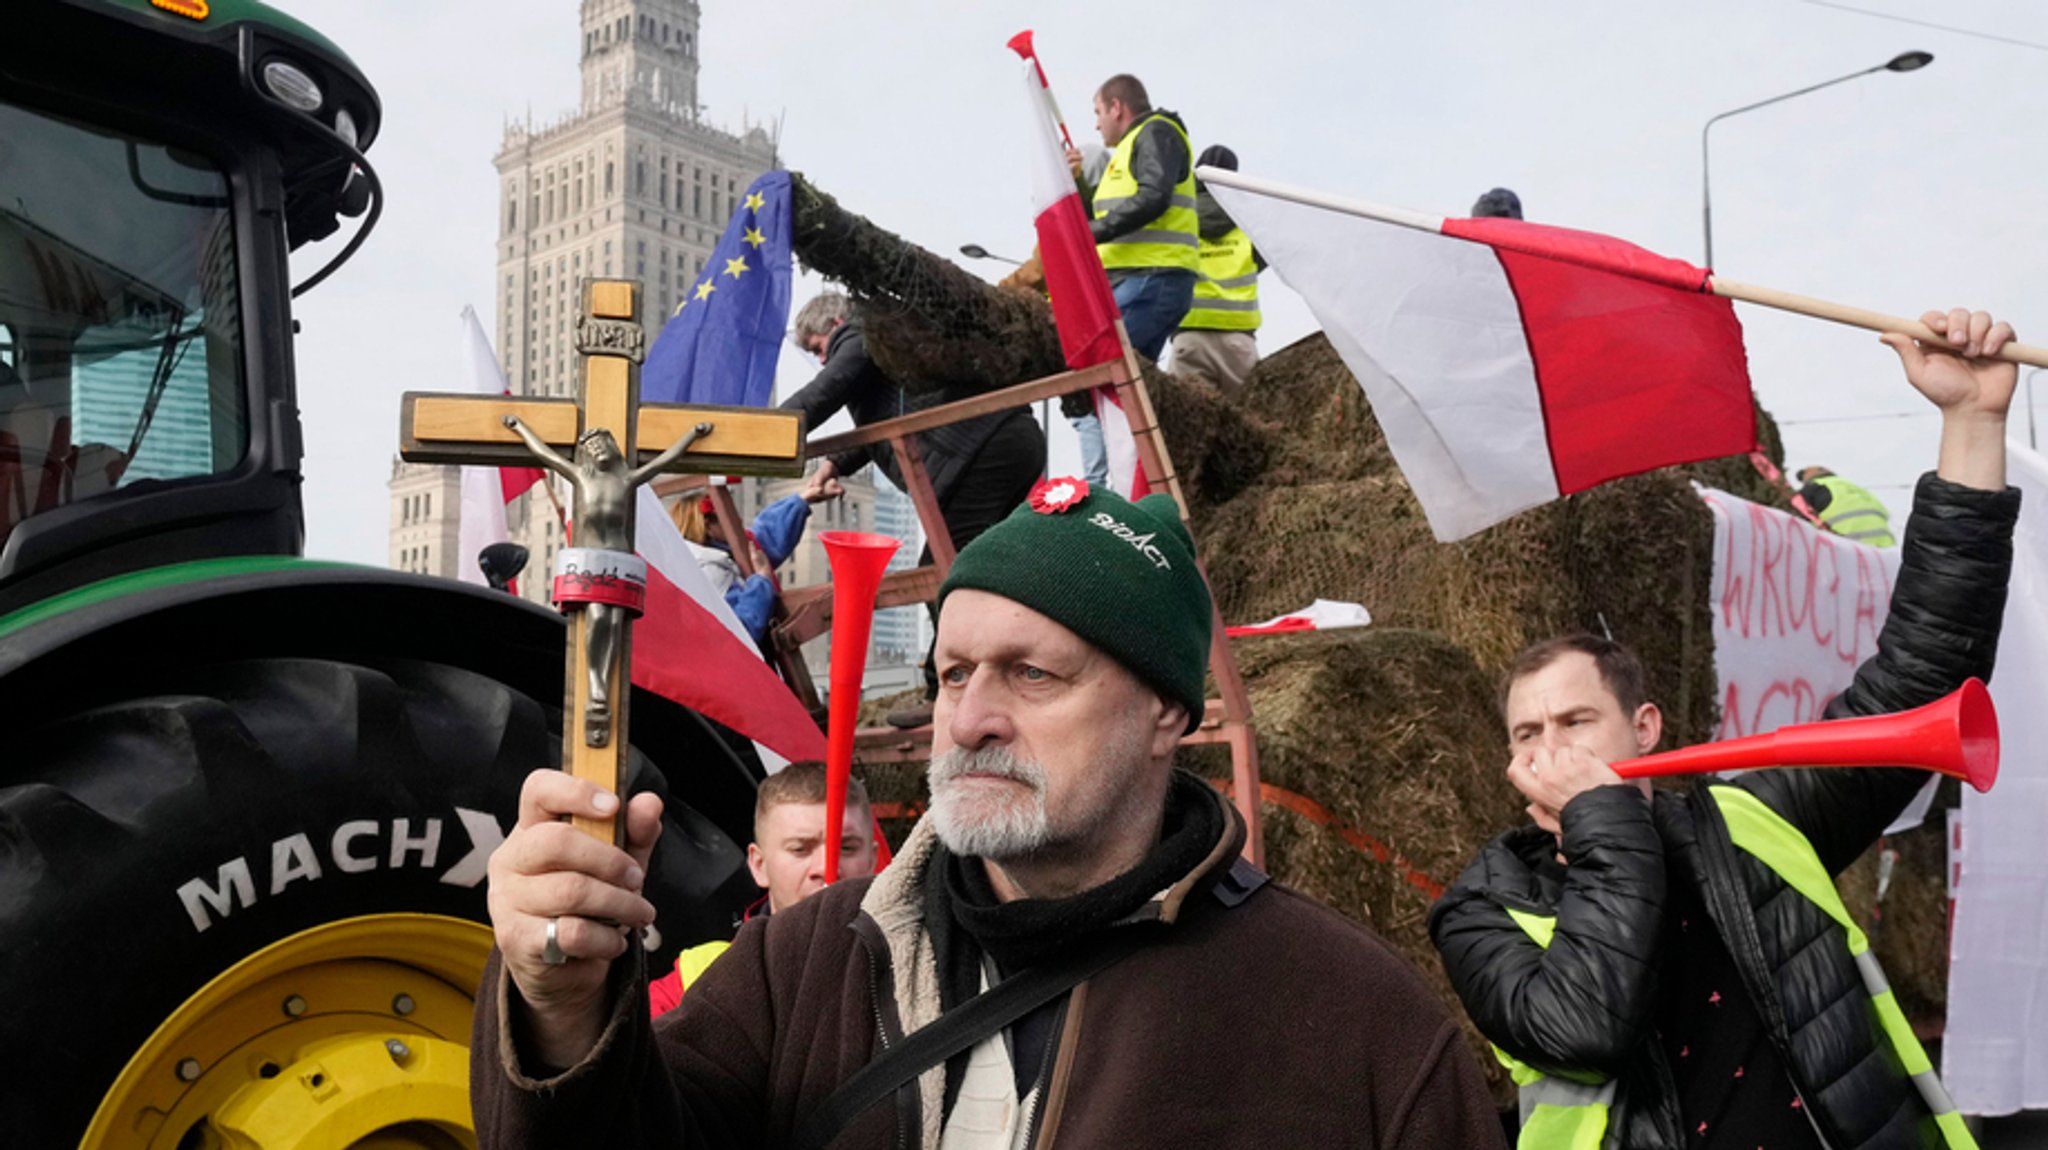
[485, 490]
[691, 648]
[1082, 305]
[1321, 615]
[1508, 363]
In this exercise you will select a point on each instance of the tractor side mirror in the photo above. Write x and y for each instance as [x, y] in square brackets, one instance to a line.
[501, 563]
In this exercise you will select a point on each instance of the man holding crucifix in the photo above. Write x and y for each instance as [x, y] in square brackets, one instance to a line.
[1067, 948]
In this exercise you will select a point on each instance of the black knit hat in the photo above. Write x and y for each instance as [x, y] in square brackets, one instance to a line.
[1500, 203]
[1121, 575]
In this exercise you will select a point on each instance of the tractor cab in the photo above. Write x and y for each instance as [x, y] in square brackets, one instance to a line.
[158, 162]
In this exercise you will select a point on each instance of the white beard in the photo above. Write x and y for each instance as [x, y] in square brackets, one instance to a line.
[983, 820]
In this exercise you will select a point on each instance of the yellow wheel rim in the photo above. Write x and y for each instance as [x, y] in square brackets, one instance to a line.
[352, 1034]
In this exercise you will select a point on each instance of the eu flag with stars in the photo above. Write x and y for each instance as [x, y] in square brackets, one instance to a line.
[721, 344]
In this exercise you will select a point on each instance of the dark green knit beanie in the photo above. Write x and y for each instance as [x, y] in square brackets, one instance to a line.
[1119, 574]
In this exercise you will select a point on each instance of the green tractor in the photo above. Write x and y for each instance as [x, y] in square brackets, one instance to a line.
[245, 799]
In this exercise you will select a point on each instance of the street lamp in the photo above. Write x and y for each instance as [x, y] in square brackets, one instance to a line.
[1903, 62]
[977, 252]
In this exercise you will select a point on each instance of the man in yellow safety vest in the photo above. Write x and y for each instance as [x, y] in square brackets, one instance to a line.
[1217, 340]
[1846, 508]
[1675, 969]
[1143, 219]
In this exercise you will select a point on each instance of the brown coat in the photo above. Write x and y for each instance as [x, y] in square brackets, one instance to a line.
[1275, 1023]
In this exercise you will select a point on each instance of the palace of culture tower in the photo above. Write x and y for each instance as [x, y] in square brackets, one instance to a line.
[633, 184]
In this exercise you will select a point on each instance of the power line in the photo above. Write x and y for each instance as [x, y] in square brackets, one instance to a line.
[1931, 24]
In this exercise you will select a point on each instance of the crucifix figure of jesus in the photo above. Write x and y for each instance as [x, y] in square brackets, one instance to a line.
[605, 443]
[604, 522]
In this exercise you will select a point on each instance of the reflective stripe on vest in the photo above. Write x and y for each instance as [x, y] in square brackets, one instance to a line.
[1557, 1113]
[1172, 239]
[1227, 293]
[1855, 513]
[1764, 834]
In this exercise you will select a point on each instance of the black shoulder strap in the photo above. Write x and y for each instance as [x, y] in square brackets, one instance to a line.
[957, 1030]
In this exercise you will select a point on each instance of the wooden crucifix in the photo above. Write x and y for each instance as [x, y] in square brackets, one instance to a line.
[600, 583]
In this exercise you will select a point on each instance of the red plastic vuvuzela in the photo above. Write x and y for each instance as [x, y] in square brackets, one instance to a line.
[858, 560]
[1956, 735]
[1021, 45]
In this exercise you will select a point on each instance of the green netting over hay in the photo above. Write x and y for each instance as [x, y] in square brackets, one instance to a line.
[929, 324]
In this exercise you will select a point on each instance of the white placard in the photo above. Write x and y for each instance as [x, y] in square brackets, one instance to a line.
[1796, 609]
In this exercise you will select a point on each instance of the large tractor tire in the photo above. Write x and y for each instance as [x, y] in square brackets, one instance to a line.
[249, 910]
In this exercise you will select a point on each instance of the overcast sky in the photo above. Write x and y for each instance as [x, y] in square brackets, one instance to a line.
[1892, 192]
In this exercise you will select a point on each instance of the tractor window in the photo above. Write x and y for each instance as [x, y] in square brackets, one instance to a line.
[119, 314]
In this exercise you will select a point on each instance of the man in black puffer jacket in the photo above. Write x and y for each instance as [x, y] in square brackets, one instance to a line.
[1675, 969]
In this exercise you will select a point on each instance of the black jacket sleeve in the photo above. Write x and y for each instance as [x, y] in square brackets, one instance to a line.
[1942, 628]
[1581, 1007]
[1159, 161]
[847, 376]
[698, 1076]
[1210, 218]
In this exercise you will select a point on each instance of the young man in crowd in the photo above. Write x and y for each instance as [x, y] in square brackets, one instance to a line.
[1675, 968]
[787, 859]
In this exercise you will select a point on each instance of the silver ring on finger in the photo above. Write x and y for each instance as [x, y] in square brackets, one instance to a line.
[551, 952]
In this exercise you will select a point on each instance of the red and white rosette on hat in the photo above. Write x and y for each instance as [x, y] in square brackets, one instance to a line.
[1052, 496]
[593, 575]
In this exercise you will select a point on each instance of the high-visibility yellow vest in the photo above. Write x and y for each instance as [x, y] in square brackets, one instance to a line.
[692, 963]
[1855, 513]
[1172, 240]
[1557, 1113]
[1227, 292]
[1756, 828]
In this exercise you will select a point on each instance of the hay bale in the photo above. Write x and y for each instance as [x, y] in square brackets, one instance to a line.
[1220, 449]
[1332, 433]
[1331, 516]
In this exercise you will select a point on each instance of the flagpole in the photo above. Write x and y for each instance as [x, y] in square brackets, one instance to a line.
[1384, 213]
[1021, 44]
[547, 483]
[1858, 317]
[1727, 289]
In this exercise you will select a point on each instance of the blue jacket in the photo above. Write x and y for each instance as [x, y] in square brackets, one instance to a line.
[777, 530]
